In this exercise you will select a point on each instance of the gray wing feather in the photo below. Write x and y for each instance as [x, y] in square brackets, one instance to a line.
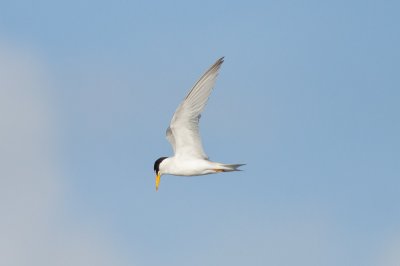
[171, 138]
[183, 132]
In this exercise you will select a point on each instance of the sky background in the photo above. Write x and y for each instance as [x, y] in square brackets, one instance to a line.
[308, 97]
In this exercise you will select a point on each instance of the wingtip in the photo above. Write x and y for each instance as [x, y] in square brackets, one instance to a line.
[218, 63]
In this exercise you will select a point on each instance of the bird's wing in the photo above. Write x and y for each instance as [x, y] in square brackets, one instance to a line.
[183, 131]
[171, 138]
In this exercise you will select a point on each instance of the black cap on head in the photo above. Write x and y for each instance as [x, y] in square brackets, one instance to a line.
[157, 164]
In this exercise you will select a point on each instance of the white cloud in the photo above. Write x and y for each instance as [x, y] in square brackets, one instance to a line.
[31, 186]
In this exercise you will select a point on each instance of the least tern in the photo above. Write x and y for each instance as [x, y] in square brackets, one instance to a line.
[183, 133]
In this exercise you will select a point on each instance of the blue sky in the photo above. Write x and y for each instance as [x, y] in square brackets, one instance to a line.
[308, 97]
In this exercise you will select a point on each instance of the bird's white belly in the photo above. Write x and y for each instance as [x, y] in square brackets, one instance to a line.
[192, 167]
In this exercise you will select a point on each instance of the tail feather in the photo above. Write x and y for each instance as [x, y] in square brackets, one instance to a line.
[230, 167]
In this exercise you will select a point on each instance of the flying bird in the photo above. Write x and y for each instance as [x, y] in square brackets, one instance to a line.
[183, 133]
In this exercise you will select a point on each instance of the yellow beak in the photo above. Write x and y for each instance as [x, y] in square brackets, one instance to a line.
[158, 177]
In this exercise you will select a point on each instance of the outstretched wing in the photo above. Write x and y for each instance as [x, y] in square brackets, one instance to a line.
[183, 131]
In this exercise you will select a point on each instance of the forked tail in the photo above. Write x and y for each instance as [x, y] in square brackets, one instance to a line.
[228, 167]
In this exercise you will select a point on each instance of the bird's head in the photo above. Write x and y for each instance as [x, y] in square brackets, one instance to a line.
[157, 170]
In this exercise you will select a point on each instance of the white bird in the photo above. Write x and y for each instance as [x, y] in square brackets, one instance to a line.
[183, 133]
